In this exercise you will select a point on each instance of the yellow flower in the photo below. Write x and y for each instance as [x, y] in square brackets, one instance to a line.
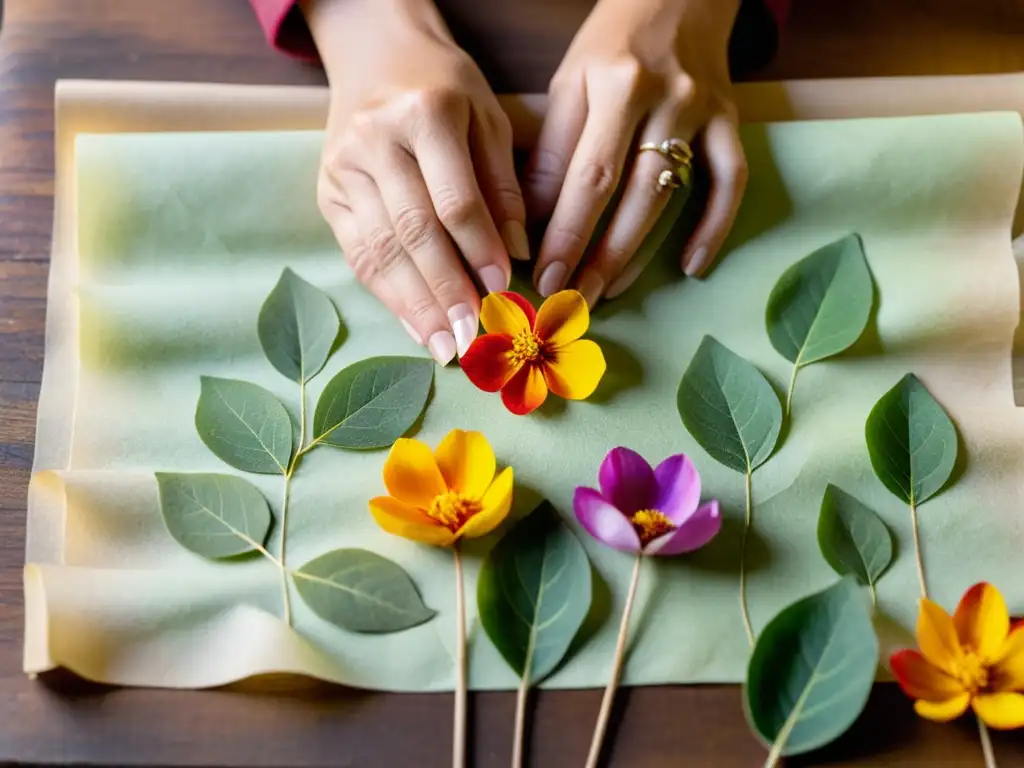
[973, 658]
[442, 496]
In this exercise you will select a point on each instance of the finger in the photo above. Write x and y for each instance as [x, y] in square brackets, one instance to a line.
[642, 203]
[590, 182]
[727, 165]
[491, 147]
[422, 237]
[382, 264]
[549, 161]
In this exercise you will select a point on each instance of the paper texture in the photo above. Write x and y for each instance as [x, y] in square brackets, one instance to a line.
[166, 244]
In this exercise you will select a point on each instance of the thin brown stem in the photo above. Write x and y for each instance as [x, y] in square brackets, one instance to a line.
[744, 611]
[986, 745]
[459, 724]
[613, 682]
[917, 549]
[518, 736]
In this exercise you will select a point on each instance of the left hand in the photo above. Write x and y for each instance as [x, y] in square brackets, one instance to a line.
[637, 71]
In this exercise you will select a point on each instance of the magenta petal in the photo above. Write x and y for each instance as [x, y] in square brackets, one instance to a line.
[698, 530]
[678, 484]
[603, 521]
[627, 480]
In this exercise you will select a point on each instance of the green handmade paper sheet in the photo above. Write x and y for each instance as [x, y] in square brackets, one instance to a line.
[181, 237]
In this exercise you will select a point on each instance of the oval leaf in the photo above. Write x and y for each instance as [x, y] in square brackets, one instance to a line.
[244, 425]
[852, 538]
[534, 593]
[912, 442]
[821, 305]
[360, 591]
[297, 326]
[372, 403]
[812, 669]
[215, 516]
[729, 407]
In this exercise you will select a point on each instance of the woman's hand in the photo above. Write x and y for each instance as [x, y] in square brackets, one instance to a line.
[417, 178]
[638, 71]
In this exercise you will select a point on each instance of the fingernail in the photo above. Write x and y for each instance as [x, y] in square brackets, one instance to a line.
[493, 278]
[590, 285]
[411, 331]
[442, 347]
[693, 265]
[621, 284]
[514, 235]
[464, 324]
[551, 278]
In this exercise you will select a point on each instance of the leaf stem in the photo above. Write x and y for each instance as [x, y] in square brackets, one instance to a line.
[986, 745]
[917, 549]
[874, 595]
[744, 611]
[613, 682]
[459, 723]
[286, 596]
[520, 727]
[792, 388]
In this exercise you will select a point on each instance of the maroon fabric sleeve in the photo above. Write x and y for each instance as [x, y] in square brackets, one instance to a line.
[285, 28]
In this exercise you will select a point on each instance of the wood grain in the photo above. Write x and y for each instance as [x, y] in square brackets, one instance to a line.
[284, 721]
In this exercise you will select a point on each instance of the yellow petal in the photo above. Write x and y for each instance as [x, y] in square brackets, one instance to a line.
[943, 711]
[466, 462]
[575, 370]
[496, 504]
[1000, 710]
[563, 317]
[1009, 666]
[500, 314]
[936, 636]
[405, 521]
[982, 621]
[411, 474]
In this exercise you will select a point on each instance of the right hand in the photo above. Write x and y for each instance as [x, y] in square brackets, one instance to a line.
[417, 178]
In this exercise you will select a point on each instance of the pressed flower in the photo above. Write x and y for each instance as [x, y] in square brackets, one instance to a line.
[643, 511]
[971, 659]
[524, 353]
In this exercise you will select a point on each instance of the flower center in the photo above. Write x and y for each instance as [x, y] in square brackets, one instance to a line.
[971, 672]
[650, 524]
[452, 510]
[526, 348]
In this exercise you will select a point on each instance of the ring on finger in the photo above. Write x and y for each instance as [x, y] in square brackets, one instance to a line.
[679, 153]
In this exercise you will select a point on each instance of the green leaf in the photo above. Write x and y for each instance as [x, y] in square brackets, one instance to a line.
[911, 441]
[244, 425]
[821, 305]
[811, 671]
[360, 591]
[297, 327]
[534, 592]
[215, 516]
[372, 403]
[729, 407]
[852, 538]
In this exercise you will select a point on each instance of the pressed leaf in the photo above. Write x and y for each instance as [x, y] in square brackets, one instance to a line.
[911, 441]
[297, 326]
[361, 591]
[852, 538]
[372, 403]
[533, 593]
[215, 516]
[244, 425]
[821, 305]
[811, 670]
[729, 407]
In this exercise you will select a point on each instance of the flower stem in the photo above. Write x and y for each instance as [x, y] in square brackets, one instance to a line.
[459, 724]
[744, 612]
[287, 600]
[613, 682]
[986, 745]
[520, 727]
[917, 549]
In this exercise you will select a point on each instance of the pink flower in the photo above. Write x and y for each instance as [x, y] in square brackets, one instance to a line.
[647, 511]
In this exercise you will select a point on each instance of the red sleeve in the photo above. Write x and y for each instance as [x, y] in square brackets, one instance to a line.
[779, 9]
[285, 28]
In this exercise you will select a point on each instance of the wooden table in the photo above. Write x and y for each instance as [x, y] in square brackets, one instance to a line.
[296, 722]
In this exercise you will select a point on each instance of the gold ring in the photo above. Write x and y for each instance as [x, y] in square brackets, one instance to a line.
[679, 153]
[669, 179]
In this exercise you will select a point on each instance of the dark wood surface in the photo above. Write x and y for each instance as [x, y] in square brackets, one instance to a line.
[296, 722]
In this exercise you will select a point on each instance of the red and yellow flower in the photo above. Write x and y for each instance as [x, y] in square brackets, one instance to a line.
[524, 353]
[973, 658]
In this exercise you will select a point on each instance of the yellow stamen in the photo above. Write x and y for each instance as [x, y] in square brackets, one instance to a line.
[971, 672]
[526, 348]
[452, 510]
[650, 524]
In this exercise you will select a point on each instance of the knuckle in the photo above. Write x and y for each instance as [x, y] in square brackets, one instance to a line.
[358, 257]
[509, 198]
[421, 307]
[501, 126]
[455, 208]
[384, 251]
[546, 169]
[684, 90]
[438, 102]
[599, 176]
[448, 287]
[414, 228]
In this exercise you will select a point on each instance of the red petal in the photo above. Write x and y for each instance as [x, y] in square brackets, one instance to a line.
[487, 362]
[526, 306]
[920, 679]
[525, 391]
